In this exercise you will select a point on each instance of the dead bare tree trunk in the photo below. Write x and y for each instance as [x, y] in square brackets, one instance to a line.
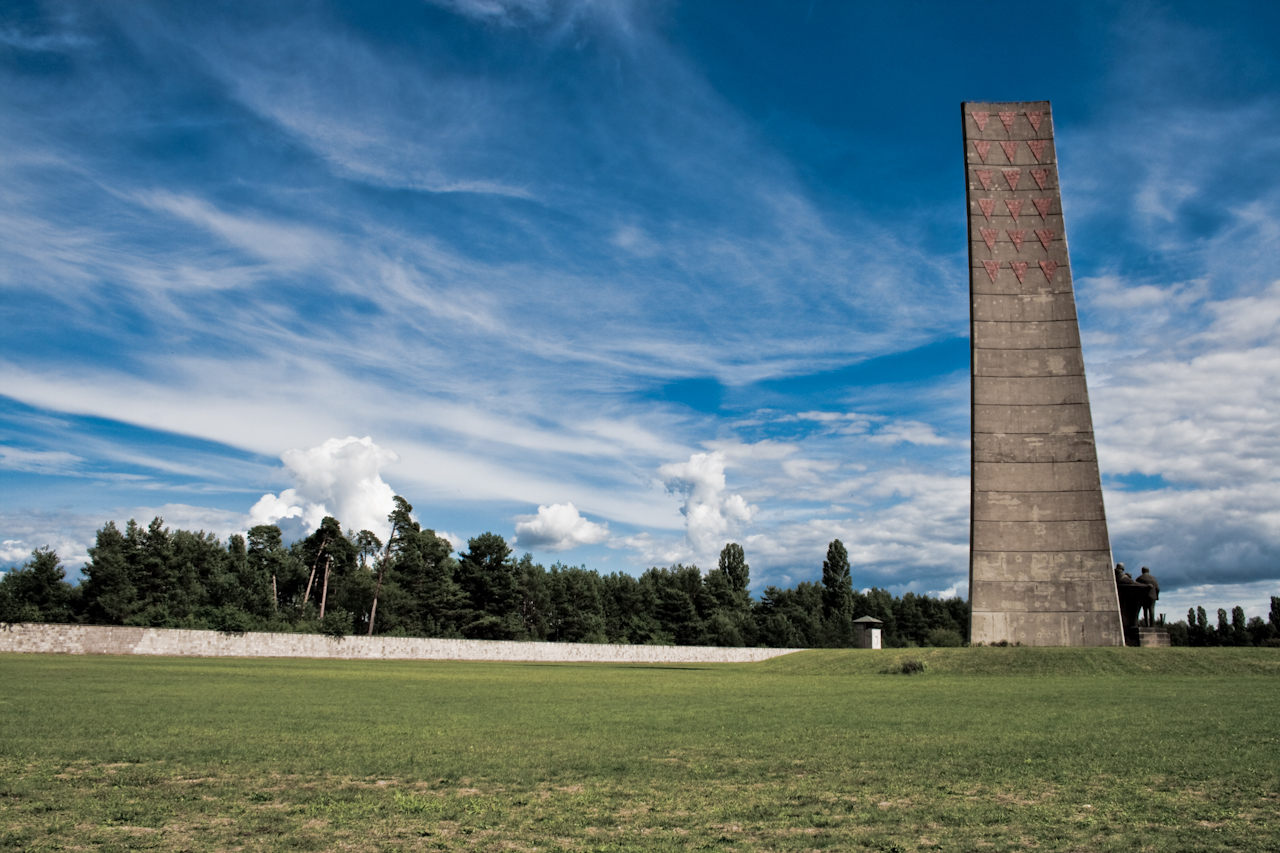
[373, 611]
[307, 595]
[275, 596]
[382, 569]
[324, 594]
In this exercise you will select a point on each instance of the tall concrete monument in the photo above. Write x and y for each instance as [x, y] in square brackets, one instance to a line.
[1040, 558]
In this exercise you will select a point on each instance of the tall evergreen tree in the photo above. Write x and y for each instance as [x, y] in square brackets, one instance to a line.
[109, 595]
[837, 583]
[402, 526]
[732, 622]
[486, 574]
[424, 571]
[268, 559]
[733, 570]
[37, 592]
[533, 594]
[577, 605]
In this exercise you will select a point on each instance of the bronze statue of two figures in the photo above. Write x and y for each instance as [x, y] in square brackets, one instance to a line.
[1040, 570]
[1137, 597]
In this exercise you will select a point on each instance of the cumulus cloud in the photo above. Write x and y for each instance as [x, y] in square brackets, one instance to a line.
[341, 477]
[13, 551]
[559, 527]
[711, 513]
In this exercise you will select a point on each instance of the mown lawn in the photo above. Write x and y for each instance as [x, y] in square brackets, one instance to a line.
[992, 749]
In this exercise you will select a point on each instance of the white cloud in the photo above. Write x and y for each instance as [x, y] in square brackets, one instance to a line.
[13, 551]
[68, 535]
[271, 509]
[1255, 598]
[341, 477]
[559, 527]
[455, 542]
[266, 239]
[912, 432]
[508, 12]
[56, 42]
[38, 461]
[711, 515]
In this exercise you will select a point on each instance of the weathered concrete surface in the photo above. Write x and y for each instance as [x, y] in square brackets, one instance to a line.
[1002, 447]
[1033, 420]
[1085, 628]
[1037, 506]
[1053, 334]
[1029, 391]
[1047, 362]
[111, 640]
[1014, 566]
[1040, 555]
[1153, 637]
[1023, 307]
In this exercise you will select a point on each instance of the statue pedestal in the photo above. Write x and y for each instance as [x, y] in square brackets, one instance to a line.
[1146, 637]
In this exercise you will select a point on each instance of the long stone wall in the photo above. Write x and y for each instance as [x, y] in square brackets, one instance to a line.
[112, 640]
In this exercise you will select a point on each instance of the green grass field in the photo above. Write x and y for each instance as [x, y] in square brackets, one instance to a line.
[991, 749]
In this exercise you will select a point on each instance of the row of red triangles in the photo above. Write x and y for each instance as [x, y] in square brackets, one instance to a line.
[1037, 147]
[1016, 235]
[1011, 177]
[988, 207]
[1020, 269]
[1006, 118]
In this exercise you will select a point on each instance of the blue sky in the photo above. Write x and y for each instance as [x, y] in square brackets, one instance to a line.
[623, 280]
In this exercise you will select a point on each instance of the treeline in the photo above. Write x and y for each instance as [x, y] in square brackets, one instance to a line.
[342, 583]
[1233, 631]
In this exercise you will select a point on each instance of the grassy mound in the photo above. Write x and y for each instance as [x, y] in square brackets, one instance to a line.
[1022, 660]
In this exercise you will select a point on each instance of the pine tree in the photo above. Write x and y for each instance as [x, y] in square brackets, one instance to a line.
[486, 574]
[37, 592]
[108, 592]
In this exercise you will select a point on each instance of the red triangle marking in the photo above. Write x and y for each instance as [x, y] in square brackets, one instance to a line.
[1017, 236]
[1011, 177]
[989, 237]
[993, 269]
[985, 175]
[1043, 205]
[1010, 150]
[981, 119]
[1041, 176]
[988, 206]
[1034, 117]
[983, 147]
[1049, 268]
[1019, 269]
[1046, 237]
[1015, 207]
[1007, 120]
[1037, 147]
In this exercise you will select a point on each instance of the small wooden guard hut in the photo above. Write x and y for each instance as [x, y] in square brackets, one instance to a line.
[867, 632]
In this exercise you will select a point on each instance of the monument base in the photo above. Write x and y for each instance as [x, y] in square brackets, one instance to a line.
[1147, 637]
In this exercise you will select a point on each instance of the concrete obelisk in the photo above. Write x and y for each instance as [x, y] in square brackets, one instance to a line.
[1040, 557]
